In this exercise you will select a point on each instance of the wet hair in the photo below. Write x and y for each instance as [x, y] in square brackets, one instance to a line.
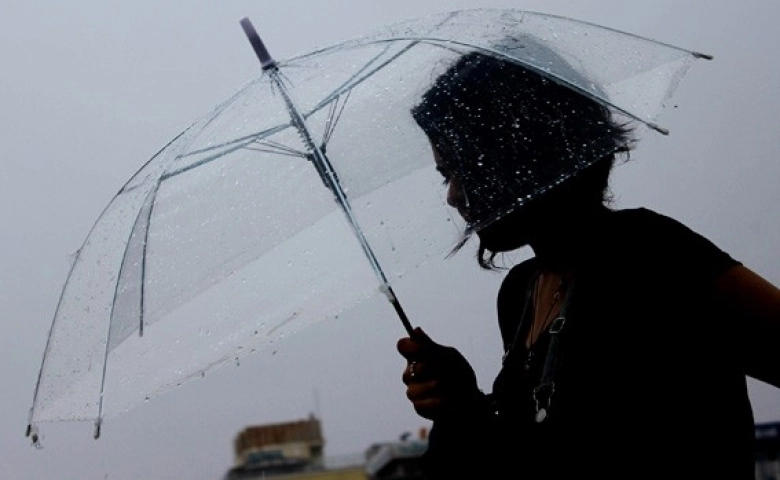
[506, 131]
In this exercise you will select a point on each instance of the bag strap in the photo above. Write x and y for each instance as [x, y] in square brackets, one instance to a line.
[544, 391]
[523, 325]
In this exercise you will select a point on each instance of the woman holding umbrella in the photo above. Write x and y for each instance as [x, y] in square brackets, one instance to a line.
[627, 336]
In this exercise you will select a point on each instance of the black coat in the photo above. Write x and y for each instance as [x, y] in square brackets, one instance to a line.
[648, 384]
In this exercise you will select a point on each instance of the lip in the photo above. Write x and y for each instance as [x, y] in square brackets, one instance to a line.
[464, 213]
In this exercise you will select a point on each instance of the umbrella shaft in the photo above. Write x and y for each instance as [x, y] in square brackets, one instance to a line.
[330, 179]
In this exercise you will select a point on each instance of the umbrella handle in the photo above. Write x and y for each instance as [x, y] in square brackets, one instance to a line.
[390, 294]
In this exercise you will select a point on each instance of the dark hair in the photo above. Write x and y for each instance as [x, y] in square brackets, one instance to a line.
[509, 134]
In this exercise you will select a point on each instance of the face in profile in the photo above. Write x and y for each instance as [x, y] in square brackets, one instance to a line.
[508, 141]
[510, 232]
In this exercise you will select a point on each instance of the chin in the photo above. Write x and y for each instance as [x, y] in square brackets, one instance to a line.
[507, 233]
[498, 238]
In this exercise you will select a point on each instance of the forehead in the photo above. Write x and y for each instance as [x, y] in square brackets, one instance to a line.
[437, 156]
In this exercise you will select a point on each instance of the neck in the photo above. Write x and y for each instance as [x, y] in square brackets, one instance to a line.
[564, 242]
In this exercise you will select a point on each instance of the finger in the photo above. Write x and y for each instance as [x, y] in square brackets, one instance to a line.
[409, 373]
[408, 348]
[414, 372]
[419, 391]
[422, 338]
[415, 348]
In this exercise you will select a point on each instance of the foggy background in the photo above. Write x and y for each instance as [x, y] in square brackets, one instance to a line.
[91, 89]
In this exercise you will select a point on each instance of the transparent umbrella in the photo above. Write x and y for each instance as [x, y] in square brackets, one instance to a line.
[309, 190]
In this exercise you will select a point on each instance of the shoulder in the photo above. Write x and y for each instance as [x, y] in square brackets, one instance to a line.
[662, 240]
[645, 221]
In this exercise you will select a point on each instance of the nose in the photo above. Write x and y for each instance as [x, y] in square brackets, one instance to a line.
[456, 196]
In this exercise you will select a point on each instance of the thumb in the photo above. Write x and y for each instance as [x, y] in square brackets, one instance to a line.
[422, 338]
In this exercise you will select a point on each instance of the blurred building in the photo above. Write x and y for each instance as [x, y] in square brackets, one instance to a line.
[397, 460]
[768, 451]
[294, 450]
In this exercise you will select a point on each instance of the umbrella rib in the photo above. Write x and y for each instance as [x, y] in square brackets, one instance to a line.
[352, 83]
[346, 86]
[557, 78]
[203, 161]
[281, 146]
[142, 300]
[332, 126]
[46, 350]
[340, 89]
[276, 152]
[276, 147]
[245, 139]
[217, 110]
[451, 15]
[329, 121]
[441, 42]
[236, 144]
[99, 420]
[70, 274]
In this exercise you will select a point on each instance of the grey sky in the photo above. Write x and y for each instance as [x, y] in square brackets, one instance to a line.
[90, 90]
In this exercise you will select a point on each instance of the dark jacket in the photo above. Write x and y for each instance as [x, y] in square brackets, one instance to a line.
[648, 382]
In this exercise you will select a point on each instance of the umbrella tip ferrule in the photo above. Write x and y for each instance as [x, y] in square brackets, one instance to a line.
[705, 56]
[266, 61]
[32, 434]
[658, 128]
[98, 424]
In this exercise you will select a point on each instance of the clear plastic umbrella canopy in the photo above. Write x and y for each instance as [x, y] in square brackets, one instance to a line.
[309, 190]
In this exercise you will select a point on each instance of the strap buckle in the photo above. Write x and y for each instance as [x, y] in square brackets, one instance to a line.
[557, 325]
[542, 395]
